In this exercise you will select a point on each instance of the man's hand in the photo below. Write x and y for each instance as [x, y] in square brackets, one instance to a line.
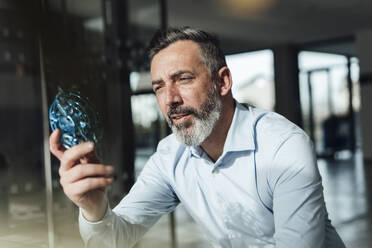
[83, 177]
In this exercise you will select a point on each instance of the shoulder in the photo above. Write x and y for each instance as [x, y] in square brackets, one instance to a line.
[281, 144]
[267, 122]
[274, 124]
[273, 130]
[284, 152]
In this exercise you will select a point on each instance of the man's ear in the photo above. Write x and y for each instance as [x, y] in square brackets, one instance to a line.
[224, 80]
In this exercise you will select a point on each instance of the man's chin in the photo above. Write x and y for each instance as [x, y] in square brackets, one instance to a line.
[183, 126]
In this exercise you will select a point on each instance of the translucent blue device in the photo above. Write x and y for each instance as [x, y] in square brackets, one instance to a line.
[76, 118]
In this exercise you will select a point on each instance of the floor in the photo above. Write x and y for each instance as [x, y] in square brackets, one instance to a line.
[347, 190]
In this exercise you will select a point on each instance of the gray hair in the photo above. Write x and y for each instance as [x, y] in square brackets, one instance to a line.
[211, 53]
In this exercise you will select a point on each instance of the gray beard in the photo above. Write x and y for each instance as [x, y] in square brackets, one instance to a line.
[202, 125]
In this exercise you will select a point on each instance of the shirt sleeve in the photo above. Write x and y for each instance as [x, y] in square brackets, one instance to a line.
[150, 198]
[298, 203]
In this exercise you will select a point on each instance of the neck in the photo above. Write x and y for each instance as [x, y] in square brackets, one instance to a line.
[213, 145]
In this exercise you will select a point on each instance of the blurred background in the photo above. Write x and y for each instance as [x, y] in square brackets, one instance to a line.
[309, 60]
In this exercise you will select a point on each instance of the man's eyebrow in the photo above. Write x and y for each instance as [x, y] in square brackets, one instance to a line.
[179, 73]
[172, 76]
[156, 82]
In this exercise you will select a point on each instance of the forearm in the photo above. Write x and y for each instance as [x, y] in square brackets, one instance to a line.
[112, 231]
[149, 199]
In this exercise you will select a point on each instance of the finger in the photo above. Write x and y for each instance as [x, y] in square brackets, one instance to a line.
[55, 146]
[73, 154]
[88, 184]
[89, 158]
[82, 171]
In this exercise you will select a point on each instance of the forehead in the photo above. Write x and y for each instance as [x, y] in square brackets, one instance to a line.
[177, 56]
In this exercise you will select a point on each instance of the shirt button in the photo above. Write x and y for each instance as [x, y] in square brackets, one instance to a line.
[233, 236]
[109, 224]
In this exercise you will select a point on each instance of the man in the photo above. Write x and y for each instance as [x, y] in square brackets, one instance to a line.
[248, 176]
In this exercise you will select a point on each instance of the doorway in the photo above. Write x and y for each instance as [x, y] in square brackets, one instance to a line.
[330, 102]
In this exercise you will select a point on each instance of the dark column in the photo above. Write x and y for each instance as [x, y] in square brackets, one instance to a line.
[120, 133]
[163, 14]
[363, 44]
[287, 96]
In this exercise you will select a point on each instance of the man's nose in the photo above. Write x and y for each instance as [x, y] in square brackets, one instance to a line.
[173, 96]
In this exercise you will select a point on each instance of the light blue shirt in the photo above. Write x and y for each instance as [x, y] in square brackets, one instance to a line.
[264, 191]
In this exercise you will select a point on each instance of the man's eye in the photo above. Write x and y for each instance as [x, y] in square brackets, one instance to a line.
[185, 78]
[156, 88]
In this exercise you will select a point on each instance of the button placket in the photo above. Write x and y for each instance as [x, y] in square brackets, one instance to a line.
[109, 223]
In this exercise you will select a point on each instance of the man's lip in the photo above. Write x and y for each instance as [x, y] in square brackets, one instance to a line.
[178, 116]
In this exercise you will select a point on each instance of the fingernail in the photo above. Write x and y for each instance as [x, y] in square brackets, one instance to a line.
[109, 168]
[90, 144]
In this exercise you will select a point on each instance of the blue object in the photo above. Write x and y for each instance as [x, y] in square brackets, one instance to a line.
[75, 117]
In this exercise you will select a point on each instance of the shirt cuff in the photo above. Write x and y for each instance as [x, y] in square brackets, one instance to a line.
[88, 228]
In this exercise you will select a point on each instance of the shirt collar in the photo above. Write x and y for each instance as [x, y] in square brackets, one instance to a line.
[196, 151]
[240, 136]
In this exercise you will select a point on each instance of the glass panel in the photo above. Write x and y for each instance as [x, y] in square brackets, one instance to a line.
[74, 61]
[22, 195]
[73, 52]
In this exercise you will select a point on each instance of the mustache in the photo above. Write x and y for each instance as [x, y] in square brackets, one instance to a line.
[181, 110]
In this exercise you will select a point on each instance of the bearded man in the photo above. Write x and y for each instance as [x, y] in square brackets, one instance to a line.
[248, 176]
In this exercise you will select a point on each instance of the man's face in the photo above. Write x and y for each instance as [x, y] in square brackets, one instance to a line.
[186, 95]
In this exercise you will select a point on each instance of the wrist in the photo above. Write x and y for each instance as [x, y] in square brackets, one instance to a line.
[97, 214]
